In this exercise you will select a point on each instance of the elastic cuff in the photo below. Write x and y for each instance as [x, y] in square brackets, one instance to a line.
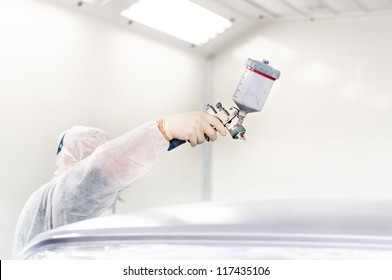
[162, 130]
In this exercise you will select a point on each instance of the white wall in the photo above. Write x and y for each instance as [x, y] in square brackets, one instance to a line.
[326, 129]
[59, 68]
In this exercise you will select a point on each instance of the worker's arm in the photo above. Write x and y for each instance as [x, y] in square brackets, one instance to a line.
[92, 185]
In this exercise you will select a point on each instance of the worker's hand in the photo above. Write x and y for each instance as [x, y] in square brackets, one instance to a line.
[193, 127]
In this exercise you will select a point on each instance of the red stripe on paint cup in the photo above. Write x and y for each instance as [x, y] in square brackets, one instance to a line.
[260, 73]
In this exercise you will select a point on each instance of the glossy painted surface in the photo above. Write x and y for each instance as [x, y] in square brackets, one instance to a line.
[255, 229]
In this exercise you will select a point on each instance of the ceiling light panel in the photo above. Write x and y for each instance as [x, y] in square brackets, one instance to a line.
[346, 6]
[375, 5]
[180, 18]
[96, 2]
[297, 9]
[308, 7]
[276, 8]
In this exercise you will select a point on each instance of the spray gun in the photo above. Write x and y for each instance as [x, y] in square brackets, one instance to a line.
[250, 96]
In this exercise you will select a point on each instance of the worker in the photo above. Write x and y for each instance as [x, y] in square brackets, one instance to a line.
[91, 170]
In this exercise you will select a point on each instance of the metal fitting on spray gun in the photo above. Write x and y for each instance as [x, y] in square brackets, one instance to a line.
[250, 96]
[227, 117]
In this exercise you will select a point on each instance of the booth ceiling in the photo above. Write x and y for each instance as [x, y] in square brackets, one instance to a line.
[243, 14]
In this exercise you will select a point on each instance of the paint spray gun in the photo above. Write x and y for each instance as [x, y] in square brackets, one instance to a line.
[250, 96]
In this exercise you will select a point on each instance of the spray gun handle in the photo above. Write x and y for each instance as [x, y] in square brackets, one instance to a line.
[226, 117]
[174, 143]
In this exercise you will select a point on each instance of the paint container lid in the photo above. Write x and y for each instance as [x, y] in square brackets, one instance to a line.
[262, 68]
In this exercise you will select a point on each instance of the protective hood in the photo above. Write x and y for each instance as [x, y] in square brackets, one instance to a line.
[77, 143]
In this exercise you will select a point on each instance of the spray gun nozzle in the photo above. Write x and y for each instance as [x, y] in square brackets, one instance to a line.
[238, 132]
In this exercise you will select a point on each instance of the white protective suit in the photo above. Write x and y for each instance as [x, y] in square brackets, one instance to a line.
[96, 178]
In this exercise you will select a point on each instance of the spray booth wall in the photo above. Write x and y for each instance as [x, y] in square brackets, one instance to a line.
[326, 129]
[60, 68]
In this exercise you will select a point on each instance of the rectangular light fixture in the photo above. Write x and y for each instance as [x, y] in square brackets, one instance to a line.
[96, 2]
[179, 18]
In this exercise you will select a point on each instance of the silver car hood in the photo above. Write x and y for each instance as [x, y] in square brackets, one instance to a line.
[255, 229]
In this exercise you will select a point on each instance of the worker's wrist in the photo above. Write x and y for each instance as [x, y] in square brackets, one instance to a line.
[162, 130]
